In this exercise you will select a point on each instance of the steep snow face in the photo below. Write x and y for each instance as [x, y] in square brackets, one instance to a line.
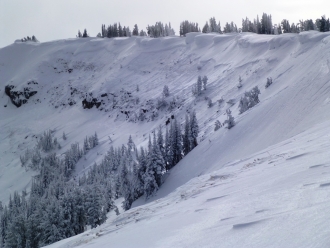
[278, 197]
[106, 72]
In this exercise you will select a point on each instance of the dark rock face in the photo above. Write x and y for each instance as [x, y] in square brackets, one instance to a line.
[91, 104]
[18, 98]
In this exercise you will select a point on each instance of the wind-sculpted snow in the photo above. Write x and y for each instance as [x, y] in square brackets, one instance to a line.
[126, 77]
[264, 200]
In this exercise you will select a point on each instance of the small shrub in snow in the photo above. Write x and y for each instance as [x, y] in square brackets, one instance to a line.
[204, 82]
[161, 103]
[209, 103]
[166, 91]
[269, 82]
[220, 101]
[239, 85]
[230, 119]
[217, 125]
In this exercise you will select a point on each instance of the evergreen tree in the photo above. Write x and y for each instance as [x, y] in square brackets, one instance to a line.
[206, 28]
[194, 130]
[85, 35]
[217, 125]
[150, 183]
[204, 82]
[166, 91]
[135, 30]
[230, 119]
[175, 143]
[199, 85]
[120, 31]
[167, 150]
[187, 136]
[96, 214]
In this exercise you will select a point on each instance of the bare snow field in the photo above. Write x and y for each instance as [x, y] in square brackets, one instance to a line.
[263, 183]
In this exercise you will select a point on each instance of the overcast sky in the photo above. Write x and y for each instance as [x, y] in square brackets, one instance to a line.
[60, 19]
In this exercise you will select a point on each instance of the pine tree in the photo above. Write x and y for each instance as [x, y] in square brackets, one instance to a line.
[175, 137]
[269, 82]
[199, 85]
[186, 136]
[135, 30]
[243, 104]
[130, 144]
[167, 150]
[230, 119]
[86, 146]
[166, 91]
[194, 130]
[85, 35]
[217, 125]
[120, 31]
[206, 28]
[204, 82]
[150, 183]
[96, 214]
[160, 141]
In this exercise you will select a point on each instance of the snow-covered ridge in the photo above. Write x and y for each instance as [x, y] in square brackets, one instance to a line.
[66, 72]
[106, 72]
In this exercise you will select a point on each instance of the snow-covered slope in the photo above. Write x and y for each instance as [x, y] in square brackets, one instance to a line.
[109, 70]
[278, 197]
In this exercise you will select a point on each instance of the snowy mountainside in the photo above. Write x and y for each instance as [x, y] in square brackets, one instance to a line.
[106, 72]
[277, 197]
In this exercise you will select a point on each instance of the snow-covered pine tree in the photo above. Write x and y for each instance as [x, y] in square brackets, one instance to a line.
[86, 146]
[141, 169]
[243, 104]
[269, 82]
[130, 144]
[206, 28]
[209, 103]
[167, 150]
[85, 35]
[51, 223]
[160, 141]
[125, 184]
[186, 136]
[135, 30]
[166, 91]
[199, 85]
[230, 119]
[194, 130]
[205, 79]
[150, 183]
[95, 205]
[217, 125]
[239, 85]
[254, 96]
[175, 143]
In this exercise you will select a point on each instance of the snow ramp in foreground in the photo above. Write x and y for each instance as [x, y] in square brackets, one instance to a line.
[278, 197]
